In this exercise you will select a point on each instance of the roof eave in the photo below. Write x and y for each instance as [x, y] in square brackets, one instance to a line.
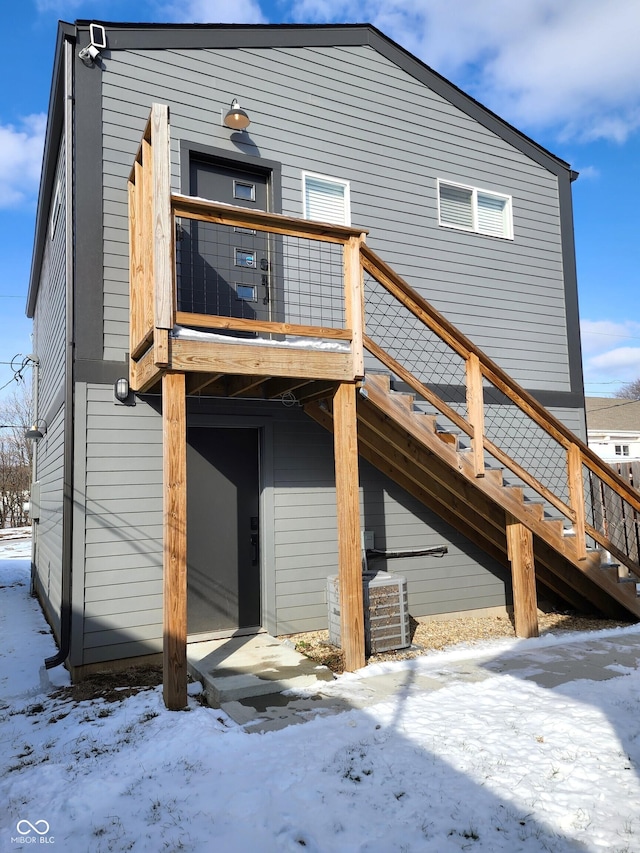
[55, 123]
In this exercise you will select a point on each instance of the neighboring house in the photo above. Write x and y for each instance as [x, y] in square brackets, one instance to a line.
[260, 505]
[613, 428]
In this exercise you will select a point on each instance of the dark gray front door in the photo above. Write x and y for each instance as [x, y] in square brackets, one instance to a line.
[223, 530]
[225, 270]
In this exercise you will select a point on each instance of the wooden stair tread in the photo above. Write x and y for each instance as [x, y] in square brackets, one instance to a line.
[397, 416]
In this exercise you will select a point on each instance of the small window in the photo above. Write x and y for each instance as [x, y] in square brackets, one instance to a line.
[472, 209]
[244, 190]
[245, 258]
[55, 210]
[246, 293]
[622, 449]
[326, 199]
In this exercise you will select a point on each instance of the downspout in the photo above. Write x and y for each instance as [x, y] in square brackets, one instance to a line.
[35, 391]
[67, 476]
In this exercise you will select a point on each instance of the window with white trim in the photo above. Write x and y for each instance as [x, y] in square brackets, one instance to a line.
[55, 210]
[326, 199]
[473, 209]
[622, 449]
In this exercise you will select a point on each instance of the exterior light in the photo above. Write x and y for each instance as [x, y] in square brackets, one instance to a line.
[236, 118]
[34, 433]
[121, 390]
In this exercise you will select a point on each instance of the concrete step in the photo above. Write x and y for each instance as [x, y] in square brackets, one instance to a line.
[243, 667]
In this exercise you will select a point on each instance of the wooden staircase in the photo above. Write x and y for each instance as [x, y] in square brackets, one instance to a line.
[432, 465]
[514, 479]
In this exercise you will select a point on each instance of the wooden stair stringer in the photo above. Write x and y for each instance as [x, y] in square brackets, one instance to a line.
[457, 510]
[452, 508]
[408, 449]
[549, 532]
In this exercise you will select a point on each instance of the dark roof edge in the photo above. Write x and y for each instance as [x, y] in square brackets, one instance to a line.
[291, 35]
[55, 123]
[122, 36]
[485, 116]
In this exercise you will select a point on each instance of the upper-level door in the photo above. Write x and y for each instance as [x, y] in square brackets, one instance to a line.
[225, 270]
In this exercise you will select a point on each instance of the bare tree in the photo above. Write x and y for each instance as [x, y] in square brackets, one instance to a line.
[630, 390]
[15, 458]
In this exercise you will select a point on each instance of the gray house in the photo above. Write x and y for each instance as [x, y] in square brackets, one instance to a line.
[260, 235]
[613, 428]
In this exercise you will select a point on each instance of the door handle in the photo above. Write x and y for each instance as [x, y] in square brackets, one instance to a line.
[254, 549]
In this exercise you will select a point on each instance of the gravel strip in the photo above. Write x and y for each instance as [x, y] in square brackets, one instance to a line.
[441, 634]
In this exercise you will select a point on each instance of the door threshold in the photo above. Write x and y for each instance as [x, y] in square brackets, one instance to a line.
[224, 635]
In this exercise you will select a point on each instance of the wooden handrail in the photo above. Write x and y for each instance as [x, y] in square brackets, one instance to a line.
[452, 336]
[413, 382]
[212, 321]
[218, 213]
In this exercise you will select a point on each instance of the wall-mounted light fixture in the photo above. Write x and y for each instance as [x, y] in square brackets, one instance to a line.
[236, 118]
[122, 392]
[35, 432]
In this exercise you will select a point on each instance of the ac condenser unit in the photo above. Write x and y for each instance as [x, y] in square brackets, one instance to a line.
[386, 611]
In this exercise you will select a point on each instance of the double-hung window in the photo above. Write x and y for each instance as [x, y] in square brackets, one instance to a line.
[325, 199]
[473, 209]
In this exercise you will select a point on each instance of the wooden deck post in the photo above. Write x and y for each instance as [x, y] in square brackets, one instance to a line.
[354, 301]
[162, 235]
[520, 553]
[174, 448]
[576, 498]
[345, 439]
[475, 409]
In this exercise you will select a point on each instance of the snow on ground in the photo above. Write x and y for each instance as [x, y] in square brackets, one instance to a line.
[498, 764]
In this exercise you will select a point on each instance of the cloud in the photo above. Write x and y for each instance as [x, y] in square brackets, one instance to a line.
[572, 67]
[21, 159]
[588, 172]
[213, 11]
[610, 353]
[622, 360]
[602, 335]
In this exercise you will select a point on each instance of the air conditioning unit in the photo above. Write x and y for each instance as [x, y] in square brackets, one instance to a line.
[386, 611]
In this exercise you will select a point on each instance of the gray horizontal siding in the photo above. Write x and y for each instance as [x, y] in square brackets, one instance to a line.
[48, 530]
[331, 110]
[49, 316]
[304, 524]
[305, 538]
[123, 529]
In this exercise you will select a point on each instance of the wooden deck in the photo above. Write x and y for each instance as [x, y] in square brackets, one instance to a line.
[322, 358]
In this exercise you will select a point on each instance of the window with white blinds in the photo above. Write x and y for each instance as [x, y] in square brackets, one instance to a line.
[472, 209]
[325, 199]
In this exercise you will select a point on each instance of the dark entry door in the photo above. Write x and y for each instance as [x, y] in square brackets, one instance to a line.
[225, 270]
[223, 529]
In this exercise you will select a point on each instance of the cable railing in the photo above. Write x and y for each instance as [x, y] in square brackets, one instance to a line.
[233, 271]
[504, 422]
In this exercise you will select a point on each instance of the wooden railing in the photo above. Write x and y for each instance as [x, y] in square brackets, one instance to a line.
[596, 501]
[154, 213]
[350, 296]
[404, 333]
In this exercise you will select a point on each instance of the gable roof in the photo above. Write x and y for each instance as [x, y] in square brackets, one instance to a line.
[150, 36]
[153, 36]
[612, 414]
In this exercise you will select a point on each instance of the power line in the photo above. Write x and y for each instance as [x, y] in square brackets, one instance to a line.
[586, 332]
[15, 378]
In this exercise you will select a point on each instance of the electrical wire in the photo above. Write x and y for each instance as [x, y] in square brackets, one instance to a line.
[17, 371]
